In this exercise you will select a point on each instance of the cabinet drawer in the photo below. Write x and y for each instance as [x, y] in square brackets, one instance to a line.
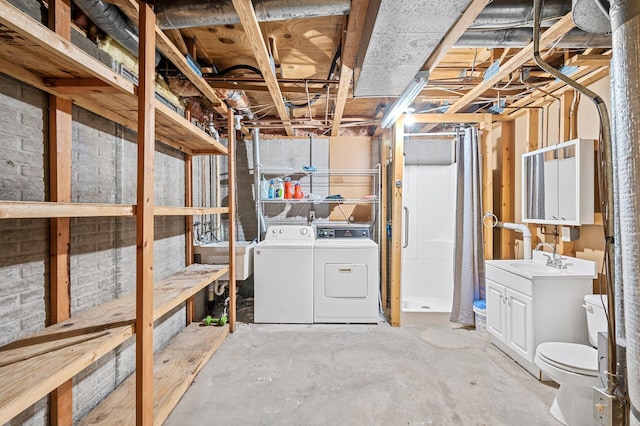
[508, 279]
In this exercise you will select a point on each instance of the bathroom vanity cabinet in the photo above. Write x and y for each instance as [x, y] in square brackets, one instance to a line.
[529, 303]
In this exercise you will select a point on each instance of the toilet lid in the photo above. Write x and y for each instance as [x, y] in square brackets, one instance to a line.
[572, 357]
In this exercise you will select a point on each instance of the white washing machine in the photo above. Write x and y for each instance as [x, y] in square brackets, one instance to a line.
[283, 275]
[346, 278]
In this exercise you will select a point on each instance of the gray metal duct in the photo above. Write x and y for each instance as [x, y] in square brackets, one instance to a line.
[172, 14]
[520, 37]
[514, 13]
[591, 16]
[625, 90]
[110, 19]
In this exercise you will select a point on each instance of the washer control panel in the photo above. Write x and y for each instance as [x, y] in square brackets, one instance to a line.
[290, 232]
[344, 232]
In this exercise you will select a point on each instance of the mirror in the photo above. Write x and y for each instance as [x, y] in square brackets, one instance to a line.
[557, 184]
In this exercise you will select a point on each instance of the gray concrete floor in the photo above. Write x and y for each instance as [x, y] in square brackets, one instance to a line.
[362, 375]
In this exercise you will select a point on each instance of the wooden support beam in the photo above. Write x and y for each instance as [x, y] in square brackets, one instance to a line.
[397, 220]
[384, 216]
[590, 60]
[507, 189]
[454, 33]
[560, 28]
[145, 218]
[247, 15]
[81, 86]
[447, 118]
[357, 16]
[188, 232]
[486, 148]
[171, 52]
[231, 197]
[532, 143]
[176, 38]
[60, 147]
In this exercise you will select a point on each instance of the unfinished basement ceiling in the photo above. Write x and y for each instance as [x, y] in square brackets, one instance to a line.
[346, 61]
[398, 38]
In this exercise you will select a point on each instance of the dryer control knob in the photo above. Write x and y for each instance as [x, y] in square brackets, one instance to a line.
[303, 231]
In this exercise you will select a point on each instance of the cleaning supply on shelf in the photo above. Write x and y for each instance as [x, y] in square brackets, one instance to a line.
[264, 189]
[279, 189]
[288, 190]
[297, 191]
[272, 190]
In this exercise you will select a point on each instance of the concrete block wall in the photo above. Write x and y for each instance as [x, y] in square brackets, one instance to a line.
[102, 249]
[24, 246]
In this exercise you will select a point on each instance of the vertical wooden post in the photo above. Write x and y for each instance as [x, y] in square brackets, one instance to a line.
[188, 235]
[231, 147]
[533, 141]
[397, 220]
[384, 241]
[60, 148]
[144, 219]
[507, 193]
[487, 181]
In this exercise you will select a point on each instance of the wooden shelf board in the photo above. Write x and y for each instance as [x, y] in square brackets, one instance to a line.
[37, 56]
[175, 368]
[188, 211]
[32, 367]
[35, 210]
[28, 378]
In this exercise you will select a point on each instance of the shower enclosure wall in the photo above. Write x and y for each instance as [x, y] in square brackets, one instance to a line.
[429, 208]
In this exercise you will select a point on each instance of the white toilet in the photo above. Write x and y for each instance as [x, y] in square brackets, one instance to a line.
[575, 368]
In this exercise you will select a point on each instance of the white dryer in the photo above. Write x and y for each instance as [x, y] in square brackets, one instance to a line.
[283, 275]
[346, 280]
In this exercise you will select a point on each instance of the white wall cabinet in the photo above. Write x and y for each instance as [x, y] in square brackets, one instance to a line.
[523, 312]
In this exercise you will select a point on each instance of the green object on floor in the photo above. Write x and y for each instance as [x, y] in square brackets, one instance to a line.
[209, 320]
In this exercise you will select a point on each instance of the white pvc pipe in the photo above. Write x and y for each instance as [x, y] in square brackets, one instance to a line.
[526, 235]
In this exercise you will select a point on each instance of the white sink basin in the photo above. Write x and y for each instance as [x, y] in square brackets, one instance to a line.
[537, 267]
[218, 254]
[531, 268]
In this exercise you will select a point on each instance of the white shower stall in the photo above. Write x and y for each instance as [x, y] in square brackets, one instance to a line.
[429, 199]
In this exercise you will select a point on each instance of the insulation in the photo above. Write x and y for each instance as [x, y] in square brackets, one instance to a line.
[625, 16]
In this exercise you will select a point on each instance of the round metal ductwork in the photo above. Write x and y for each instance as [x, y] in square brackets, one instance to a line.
[590, 17]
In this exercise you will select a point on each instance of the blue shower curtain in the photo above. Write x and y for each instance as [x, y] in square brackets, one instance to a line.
[468, 284]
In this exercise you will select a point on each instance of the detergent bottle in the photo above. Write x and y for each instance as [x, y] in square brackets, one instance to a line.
[288, 190]
[297, 191]
[279, 189]
[272, 190]
[264, 189]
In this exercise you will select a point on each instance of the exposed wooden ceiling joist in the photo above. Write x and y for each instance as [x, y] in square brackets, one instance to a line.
[247, 16]
[168, 49]
[560, 28]
[357, 16]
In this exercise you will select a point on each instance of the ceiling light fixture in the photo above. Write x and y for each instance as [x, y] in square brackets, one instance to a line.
[401, 104]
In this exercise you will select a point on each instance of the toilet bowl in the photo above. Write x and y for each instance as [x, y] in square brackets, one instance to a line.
[575, 368]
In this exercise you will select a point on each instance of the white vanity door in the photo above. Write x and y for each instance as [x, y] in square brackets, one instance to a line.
[496, 309]
[520, 323]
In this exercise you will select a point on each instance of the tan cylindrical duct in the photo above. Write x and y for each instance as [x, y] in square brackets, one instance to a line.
[625, 19]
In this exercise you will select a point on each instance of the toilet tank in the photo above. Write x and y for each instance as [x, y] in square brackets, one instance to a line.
[596, 319]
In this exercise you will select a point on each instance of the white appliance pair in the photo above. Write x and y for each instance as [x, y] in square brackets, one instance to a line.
[301, 280]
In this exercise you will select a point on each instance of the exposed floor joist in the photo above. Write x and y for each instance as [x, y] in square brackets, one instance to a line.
[247, 16]
[560, 28]
[357, 16]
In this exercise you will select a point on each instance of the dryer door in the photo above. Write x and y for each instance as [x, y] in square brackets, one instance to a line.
[345, 280]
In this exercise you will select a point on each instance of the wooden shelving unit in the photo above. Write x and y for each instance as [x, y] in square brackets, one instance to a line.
[31, 368]
[46, 362]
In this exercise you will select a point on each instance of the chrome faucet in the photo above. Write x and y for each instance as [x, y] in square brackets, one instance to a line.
[555, 260]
